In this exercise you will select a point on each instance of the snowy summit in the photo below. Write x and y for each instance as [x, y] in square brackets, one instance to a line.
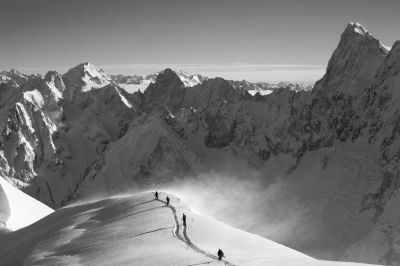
[88, 76]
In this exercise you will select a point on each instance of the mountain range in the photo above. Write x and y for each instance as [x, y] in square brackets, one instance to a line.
[314, 169]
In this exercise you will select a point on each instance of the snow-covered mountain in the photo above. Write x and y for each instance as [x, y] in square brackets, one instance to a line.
[325, 161]
[87, 76]
[139, 230]
[14, 75]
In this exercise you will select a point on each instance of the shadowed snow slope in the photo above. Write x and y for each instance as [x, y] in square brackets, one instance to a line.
[138, 230]
[17, 209]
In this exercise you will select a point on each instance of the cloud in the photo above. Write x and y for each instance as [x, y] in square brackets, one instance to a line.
[247, 201]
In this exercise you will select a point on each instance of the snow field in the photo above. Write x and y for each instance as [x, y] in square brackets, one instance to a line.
[139, 230]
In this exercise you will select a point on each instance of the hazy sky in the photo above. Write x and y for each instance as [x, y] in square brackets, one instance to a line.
[253, 40]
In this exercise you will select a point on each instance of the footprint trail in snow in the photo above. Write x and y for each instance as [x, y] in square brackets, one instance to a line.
[185, 238]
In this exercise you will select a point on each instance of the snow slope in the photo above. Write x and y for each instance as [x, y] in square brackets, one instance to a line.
[139, 230]
[17, 209]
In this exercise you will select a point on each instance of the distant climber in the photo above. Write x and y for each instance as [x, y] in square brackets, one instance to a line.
[184, 219]
[220, 254]
[167, 200]
[156, 195]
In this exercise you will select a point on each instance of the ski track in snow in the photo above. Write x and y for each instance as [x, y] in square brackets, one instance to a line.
[185, 238]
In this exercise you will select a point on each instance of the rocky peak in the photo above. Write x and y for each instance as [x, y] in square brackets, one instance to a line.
[168, 89]
[51, 76]
[357, 28]
[168, 78]
[354, 63]
[14, 72]
[56, 79]
[355, 34]
[188, 79]
[88, 64]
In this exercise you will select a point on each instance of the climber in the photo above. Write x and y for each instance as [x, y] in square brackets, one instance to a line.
[167, 200]
[156, 195]
[220, 254]
[184, 219]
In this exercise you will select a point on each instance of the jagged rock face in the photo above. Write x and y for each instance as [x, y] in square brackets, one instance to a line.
[232, 125]
[202, 95]
[27, 146]
[52, 130]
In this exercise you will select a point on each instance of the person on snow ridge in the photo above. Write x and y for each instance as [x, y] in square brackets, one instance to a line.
[167, 200]
[184, 219]
[220, 254]
[156, 195]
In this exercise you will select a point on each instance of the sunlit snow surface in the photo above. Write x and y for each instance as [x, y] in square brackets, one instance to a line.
[17, 209]
[265, 92]
[138, 230]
